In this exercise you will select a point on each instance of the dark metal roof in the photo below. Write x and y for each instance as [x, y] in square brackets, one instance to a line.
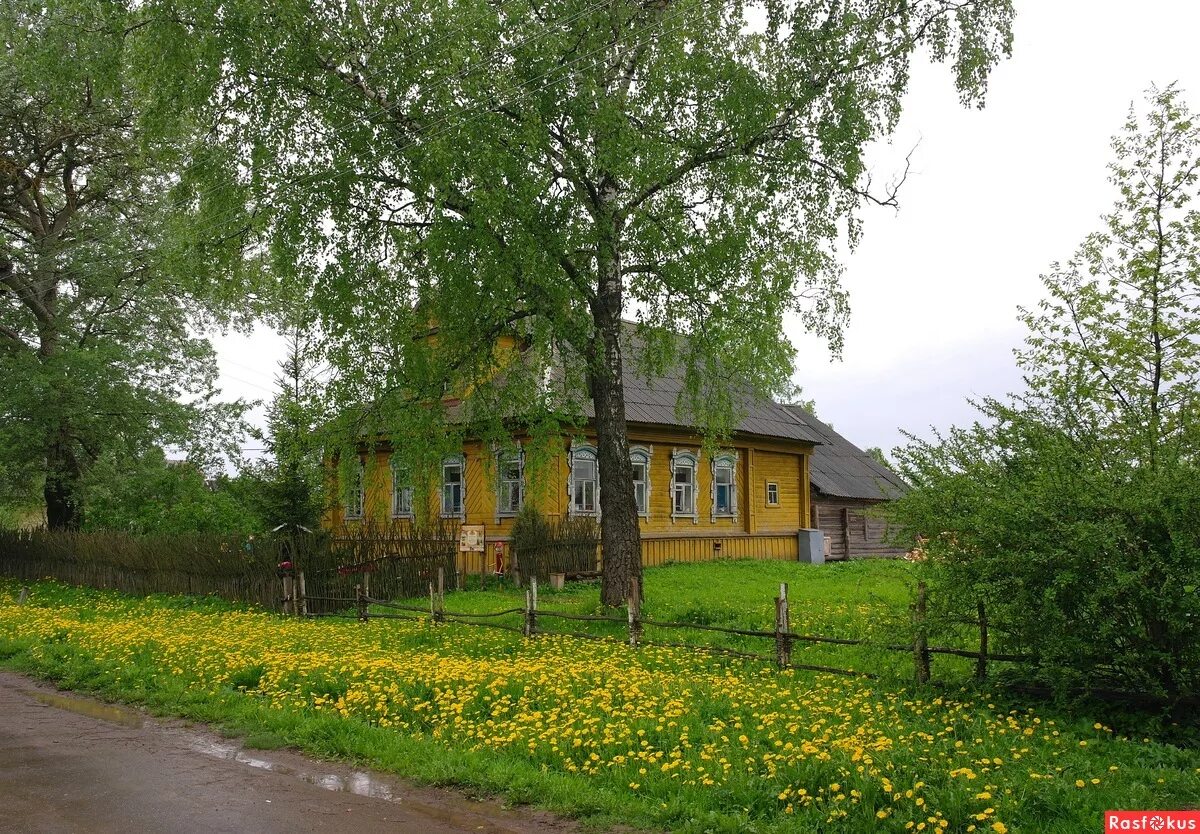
[654, 401]
[841, 469]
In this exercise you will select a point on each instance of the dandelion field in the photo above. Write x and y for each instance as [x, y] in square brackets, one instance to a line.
[662, 739]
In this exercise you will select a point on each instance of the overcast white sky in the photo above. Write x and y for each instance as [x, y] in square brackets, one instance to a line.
[993, 197]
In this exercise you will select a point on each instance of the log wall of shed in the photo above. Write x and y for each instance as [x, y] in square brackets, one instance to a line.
[855, 528]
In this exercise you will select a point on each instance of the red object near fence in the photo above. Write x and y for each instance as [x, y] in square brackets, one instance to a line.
[346, 570]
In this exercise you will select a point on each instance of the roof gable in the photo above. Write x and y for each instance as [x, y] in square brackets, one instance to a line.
[841, 469]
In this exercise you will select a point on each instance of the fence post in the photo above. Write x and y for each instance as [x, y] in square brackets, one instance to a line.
[783, 641]
[302, 594]
[361, 597]
[981, 663]
[528, 629]
[920, 636]
[433, 612]
[441, 590]
[23, 597]
[287, 594]
[534, 607]
[635, 612]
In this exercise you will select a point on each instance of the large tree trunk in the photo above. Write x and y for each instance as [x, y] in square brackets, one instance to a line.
[619, 534]
[64, 505]
[64, 473]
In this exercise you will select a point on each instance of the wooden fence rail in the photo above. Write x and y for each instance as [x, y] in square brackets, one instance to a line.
[782, 636]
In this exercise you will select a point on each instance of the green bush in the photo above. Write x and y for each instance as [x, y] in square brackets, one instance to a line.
[1073, 510]
[1085, 560]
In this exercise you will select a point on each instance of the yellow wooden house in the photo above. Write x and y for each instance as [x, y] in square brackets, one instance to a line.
[750, 498]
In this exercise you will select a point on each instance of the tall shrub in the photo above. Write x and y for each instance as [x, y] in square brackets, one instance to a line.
[1073, 510]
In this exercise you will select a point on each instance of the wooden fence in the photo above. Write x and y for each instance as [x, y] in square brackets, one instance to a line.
[237, 568]
[246, 568]
[635, 625]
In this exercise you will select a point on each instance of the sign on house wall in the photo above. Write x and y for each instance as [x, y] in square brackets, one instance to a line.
[471, 538]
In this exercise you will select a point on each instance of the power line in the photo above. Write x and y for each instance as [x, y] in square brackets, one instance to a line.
[248, 382]
[247, 367]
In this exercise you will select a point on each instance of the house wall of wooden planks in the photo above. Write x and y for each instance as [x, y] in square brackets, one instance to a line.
[771, 487]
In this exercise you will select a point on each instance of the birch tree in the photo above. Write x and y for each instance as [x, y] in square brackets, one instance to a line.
[550, 168]
[1073, 510]
[1114, 349]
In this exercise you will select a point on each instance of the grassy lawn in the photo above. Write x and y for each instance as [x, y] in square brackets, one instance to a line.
[664, 739]
[837, 597]
[867, 600]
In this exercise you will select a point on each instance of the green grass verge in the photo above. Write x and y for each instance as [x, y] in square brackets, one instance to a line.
[657, 739]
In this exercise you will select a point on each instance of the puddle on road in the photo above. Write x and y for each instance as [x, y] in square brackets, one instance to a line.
[93, 709]
[362, 784]
[462, 813]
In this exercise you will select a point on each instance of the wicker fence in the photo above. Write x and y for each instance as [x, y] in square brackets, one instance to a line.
[392, 560]
[237, 568]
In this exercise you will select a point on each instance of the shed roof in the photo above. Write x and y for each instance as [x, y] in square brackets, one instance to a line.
[841, 469]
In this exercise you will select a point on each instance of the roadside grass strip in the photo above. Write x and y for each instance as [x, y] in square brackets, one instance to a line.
[657, 738]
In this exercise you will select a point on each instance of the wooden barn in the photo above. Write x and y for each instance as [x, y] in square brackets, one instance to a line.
[848, 488]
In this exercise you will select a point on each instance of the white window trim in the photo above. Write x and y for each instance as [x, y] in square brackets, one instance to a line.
[461, 460]
[396, 467]
[503, 455]
[360, 490]
[680, 456]
[729, 459]
[648, 452]
[587, 449]
[771, 503]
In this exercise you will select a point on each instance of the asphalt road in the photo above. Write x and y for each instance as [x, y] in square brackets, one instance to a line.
[74, 764]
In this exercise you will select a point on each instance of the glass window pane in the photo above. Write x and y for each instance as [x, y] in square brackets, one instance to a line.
[685, 495]
[509, 488]
[401, 492]
[723, 485]
[452, 476]
[583, 479]
[354, 501]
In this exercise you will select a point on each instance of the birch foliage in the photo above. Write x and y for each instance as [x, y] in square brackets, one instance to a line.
[544, 169]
